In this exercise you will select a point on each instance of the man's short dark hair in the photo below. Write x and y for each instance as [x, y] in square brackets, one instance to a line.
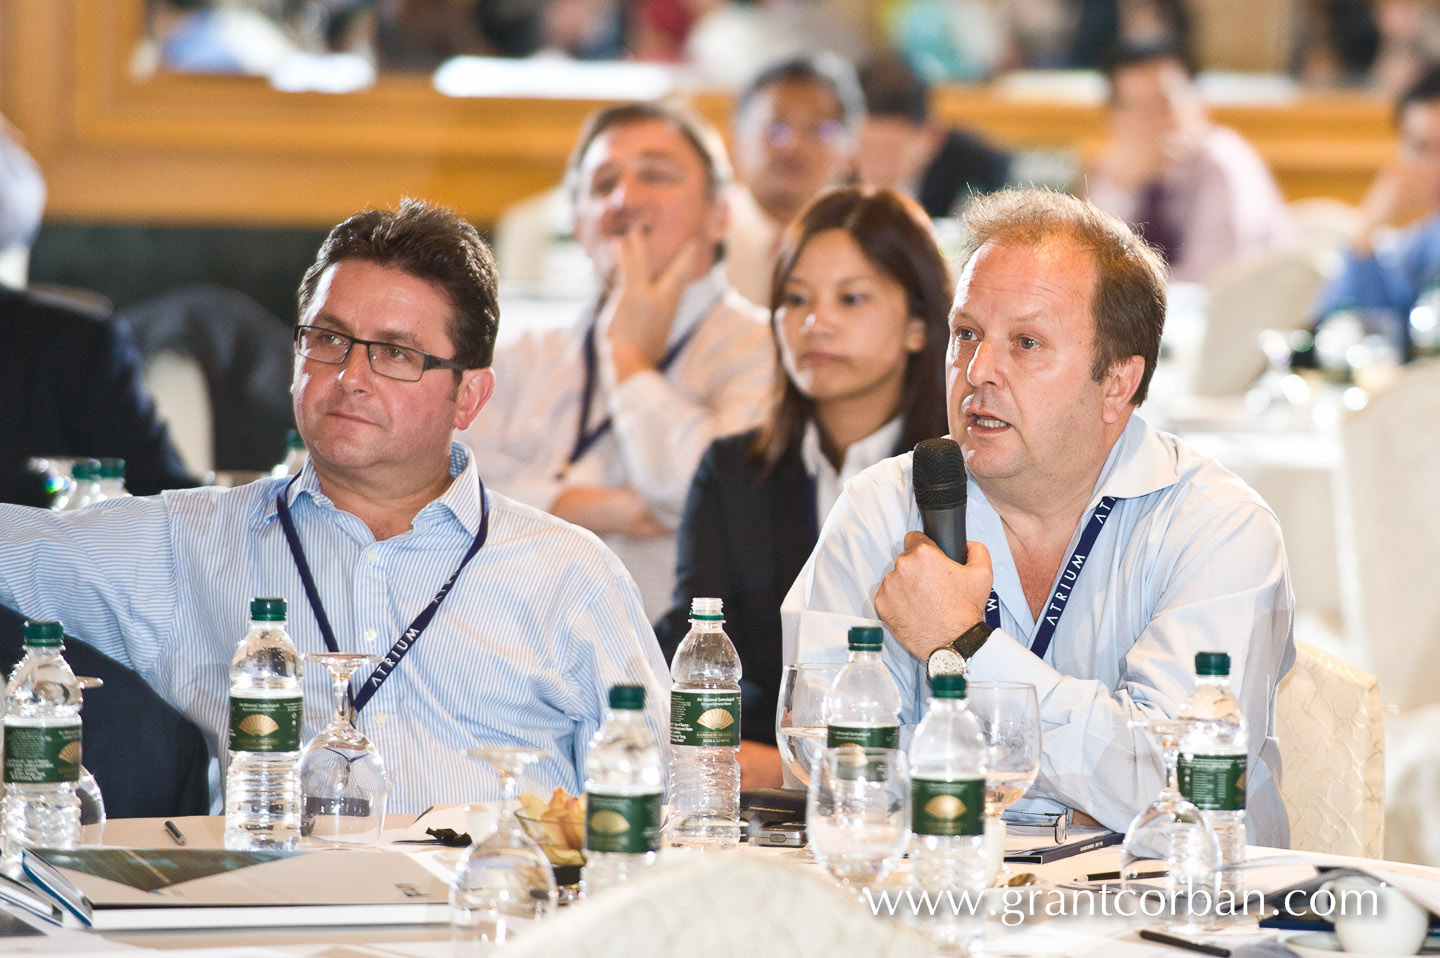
[1127, 54]
[893, 89]
[430, 243]
[1128, 301]
[701, 137]
[1426, 89]
[824, 69]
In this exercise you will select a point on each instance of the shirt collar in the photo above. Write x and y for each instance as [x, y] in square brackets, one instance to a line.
[1141, 462]
[698, 299]
[461, 499]
[861, 454]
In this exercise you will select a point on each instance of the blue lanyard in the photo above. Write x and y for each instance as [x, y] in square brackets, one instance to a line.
[1050, 618]
[411, 635]
[584, 438]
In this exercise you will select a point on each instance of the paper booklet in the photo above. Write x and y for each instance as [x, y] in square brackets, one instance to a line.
[120, 888]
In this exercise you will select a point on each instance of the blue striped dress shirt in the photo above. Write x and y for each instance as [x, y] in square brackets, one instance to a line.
[536, 629]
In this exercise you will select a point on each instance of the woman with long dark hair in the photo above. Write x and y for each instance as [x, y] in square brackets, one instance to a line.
[859, 304]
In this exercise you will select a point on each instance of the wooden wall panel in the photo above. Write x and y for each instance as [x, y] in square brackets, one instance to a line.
[179, 149]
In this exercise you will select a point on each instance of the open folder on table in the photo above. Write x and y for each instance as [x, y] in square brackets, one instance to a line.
[1026, 847]
[121, 888]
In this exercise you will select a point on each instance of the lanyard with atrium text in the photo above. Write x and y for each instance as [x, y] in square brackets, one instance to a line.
[584, 438]
[1070, 572]
[411, 635]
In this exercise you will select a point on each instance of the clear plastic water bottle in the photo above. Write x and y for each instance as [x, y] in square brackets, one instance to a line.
[705, 734]
[84, 484]
[623, 791]
[262, 783]
[863, 705]
[111, 481]
[294, 459]
[1213, 755]
[42, 749]
[947, 817]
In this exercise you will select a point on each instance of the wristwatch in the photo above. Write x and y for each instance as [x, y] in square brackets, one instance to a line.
[952, 659]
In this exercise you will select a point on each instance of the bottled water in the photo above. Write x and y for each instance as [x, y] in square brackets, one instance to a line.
[262, 783]
[111, 481]
[863, 706]
[84, 484]
[42, 749]
[705, 734]
[948, 862]
[294, 459]
[1213, 754]
[623, 793]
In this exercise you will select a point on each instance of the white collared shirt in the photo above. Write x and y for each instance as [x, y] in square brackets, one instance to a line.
[720, 383]
[1190, 560]
[861, 454]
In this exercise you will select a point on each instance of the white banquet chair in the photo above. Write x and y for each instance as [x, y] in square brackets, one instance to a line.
[1332, 755]
[1269, 291]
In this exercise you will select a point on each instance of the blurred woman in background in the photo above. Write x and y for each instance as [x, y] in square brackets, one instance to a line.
[859, 303]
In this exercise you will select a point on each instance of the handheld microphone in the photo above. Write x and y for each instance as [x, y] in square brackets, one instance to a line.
[938, 476]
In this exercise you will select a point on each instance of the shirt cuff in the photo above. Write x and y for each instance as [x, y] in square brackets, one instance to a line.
[1003, 658]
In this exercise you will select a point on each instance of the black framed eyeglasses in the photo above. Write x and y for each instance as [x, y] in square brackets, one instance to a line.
[386, 359]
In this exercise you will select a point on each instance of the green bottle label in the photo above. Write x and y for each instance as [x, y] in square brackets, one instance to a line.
[705, 717]
[1213, 783]
[628, 824]
[265, 725]
[42, 755]
[868, 736]
[947, 808]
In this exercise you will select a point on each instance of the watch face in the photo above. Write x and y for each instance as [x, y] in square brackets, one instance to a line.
[944, 661]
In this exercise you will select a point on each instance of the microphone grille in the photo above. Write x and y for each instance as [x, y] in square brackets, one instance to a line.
[938, 473]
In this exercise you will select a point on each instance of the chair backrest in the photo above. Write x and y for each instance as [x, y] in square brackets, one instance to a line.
[1269, 291]
[182, 398]
[718, 906]
[1388, 535]
[1332, 755]
[1324, 224]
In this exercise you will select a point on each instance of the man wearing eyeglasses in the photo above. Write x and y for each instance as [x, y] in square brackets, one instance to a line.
[495, 623]
[795, 133]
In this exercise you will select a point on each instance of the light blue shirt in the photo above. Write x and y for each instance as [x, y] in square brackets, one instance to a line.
[1189, 560]
[542, 621]
[1392, 277]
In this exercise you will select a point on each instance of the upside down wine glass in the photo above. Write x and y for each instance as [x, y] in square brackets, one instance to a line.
[857, 812]
[1170, 852]
[342, 776]
[504, 878]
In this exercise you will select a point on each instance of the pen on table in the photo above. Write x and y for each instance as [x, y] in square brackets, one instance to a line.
[1186, 943]
[1115, 876]
[175, 832]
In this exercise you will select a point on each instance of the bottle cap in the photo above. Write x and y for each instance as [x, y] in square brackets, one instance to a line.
[627, 697]
[267, 610]
[85, 469]
[293, 440]
[707, 609]
[112, 468]
[947, 686]
[43, 635]
[1212, 663]
[866, 638]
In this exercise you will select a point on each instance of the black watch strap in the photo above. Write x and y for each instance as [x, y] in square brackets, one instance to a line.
[971, 639]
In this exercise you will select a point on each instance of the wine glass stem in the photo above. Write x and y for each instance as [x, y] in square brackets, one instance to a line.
[509, 798]
[340, 687]
[1172, 774]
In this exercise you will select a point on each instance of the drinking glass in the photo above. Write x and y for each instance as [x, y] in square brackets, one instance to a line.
[503, 878]
[1170, 852]
[342, 776]
[1009, 715]
[857, 812]
[800, 717]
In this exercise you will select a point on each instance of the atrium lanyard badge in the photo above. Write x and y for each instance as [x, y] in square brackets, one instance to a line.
[1070, 572]
[411, 635]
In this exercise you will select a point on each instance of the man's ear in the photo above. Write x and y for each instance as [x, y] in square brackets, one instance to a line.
[1120, 385]
[474, 391]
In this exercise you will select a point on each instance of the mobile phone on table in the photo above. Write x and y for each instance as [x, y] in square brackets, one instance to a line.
[780, 835]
